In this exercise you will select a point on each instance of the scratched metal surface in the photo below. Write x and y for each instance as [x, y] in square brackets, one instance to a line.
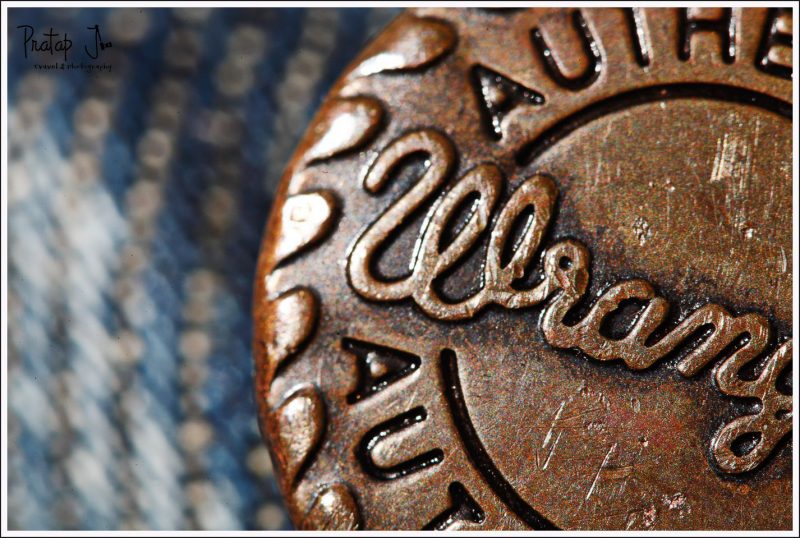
[627, 366]
[137, 199]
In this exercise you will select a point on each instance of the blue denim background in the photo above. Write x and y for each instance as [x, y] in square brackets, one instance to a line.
[137, 198]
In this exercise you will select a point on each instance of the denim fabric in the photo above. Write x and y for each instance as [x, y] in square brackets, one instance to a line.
[137, 198]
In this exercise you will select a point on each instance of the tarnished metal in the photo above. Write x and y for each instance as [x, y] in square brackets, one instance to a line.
[533, 269]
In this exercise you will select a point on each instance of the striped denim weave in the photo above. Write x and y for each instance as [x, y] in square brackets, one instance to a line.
[137, 198]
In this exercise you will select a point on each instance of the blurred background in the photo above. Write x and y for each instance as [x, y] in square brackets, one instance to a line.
[137, 195]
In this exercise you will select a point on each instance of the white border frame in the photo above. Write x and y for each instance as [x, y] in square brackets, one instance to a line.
[312, 4]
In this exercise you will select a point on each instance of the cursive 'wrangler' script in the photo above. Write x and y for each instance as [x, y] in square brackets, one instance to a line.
[736, 340]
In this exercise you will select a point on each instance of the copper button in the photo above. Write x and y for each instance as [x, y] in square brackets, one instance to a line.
[532, 269]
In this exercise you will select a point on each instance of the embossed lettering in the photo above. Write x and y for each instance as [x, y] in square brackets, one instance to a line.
[462, 508]
[384, 430]
[378, 367]
[440, 160]
[498, 95]
[724, 26]
[638, 27]
[715, 332]
[771, 424]
[774, 38]
[590, 48]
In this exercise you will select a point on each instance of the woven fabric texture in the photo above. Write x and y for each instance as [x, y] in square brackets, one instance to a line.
[137, 199]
